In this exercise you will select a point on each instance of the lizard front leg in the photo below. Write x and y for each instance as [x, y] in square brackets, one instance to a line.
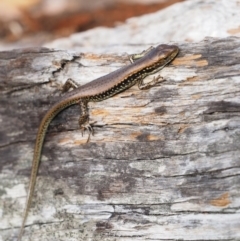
[135, 57]
[153, 82]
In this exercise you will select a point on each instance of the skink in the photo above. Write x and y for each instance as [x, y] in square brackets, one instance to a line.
[146, 63]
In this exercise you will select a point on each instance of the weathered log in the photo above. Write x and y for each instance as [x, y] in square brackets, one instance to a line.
[163, 164]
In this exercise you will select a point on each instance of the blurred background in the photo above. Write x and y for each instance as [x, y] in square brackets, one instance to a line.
[26, 23]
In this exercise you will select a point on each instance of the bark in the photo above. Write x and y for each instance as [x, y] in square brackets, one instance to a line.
[163, 164]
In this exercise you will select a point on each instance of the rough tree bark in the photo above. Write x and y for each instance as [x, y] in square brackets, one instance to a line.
[164, 164]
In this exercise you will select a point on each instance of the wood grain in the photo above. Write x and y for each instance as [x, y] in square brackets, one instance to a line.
[164, 164]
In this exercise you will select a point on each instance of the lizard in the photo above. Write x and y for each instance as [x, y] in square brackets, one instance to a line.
[146, 63]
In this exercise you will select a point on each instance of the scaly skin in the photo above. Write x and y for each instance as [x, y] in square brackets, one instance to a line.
[143, 64]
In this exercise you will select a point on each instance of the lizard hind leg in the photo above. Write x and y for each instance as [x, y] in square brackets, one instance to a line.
[84, 120]
[70, 83]
[85, 126]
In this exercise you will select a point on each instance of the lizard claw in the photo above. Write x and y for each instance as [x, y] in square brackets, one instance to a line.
[87, 127]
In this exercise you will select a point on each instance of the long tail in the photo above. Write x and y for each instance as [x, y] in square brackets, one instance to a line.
[52, 112]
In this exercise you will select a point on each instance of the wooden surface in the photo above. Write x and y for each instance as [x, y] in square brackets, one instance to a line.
[164, 164]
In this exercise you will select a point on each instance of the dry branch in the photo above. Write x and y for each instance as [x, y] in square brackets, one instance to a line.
[164, 164]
